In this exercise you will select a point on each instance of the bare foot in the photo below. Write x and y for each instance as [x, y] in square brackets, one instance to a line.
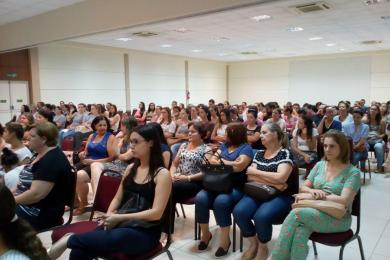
[262, 252]
[250, 253]
[58, 248]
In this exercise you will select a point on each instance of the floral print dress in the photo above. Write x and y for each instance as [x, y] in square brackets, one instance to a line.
[302, 222]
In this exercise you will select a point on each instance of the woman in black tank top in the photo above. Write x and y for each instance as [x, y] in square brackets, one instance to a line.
[140, 229]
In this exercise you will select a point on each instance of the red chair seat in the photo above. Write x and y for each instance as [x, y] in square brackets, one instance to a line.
[189, 201]
[77, 228]
[147, 255]
[332, 239]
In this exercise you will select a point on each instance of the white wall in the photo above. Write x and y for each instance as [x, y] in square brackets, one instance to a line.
[156, 78]
[206, 79]
[92, 74]
[321, 78]
[78, 74]
[258, 81]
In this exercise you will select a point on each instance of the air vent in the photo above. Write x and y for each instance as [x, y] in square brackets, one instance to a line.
[311, 7]
[371, 42]
[249, 53]
[145, 34]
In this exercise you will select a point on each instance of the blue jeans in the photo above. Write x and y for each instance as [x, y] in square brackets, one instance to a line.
[221, 203]
[359, 156]
[379, 149]
[264, 214]
[128, 241]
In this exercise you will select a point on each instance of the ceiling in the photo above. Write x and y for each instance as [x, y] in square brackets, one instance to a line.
[225, 35]
[15, 10]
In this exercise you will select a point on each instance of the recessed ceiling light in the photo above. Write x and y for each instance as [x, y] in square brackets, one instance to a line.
[331, 44]
[124, 39]
[165, 45]
[371, 42]
[315, 38]
[196, 51]
[181, 30]
[222, 54]
[342, 49]
[294, 29]
[222, 39]
[259, 18]
[373, 2]
[249, 53]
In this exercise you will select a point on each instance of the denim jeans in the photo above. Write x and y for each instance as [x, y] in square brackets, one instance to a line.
[221, 203]
[359, 156]
[379, 149]
[129, 241]
[263, 213]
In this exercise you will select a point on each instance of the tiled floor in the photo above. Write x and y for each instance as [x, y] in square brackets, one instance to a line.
[375, 230]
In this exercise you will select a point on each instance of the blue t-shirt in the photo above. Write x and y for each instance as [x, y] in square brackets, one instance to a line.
[336, 125]
[239, 178]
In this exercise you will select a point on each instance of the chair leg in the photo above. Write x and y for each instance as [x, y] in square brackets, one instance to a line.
[182, 211]
[361, 247]
[241, 242]
[315, 248]
[363, 169]
[234, 236]
[196, 230]
[341, 252]
[177, 213]
[169, 255]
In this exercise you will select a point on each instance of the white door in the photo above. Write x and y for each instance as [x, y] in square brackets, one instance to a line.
[5, 102]
[13, 94]
[18, 96]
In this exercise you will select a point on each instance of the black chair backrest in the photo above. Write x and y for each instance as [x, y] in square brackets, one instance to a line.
[72, 194]
[293, 181]
[356, 205]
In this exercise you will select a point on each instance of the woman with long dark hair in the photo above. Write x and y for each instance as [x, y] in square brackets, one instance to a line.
[304, 142]
[376, 132]
[147, 177]
[140, 114]
[18, 240]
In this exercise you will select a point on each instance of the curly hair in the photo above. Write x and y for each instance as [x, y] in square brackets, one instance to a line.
[18, 234]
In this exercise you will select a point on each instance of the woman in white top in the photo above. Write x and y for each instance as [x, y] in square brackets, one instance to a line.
[13, 135]
[344, 117]
[167, 125]
[114, 118]
[304, 142]
[10, 168]
[219, 132]
[277, 119]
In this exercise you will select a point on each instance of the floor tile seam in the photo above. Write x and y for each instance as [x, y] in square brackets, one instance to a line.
[380, 237]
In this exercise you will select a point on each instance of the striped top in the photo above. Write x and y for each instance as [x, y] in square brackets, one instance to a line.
[13, 255]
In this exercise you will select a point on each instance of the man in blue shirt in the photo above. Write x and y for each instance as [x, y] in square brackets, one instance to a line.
[358, 132]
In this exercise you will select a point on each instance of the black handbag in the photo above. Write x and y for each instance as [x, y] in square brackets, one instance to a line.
[217, 177]
[136, 203]
[260, 191]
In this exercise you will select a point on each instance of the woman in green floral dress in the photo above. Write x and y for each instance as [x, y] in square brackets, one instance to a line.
[333, 179]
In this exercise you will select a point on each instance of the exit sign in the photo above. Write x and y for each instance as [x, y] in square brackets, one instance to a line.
[12, 74]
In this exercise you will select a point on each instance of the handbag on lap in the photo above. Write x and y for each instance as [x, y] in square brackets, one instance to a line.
[331, 208]
[260, 191]
[217, 177]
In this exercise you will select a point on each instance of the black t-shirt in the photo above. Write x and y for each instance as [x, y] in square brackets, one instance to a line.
[54, 167]
[256, 145]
